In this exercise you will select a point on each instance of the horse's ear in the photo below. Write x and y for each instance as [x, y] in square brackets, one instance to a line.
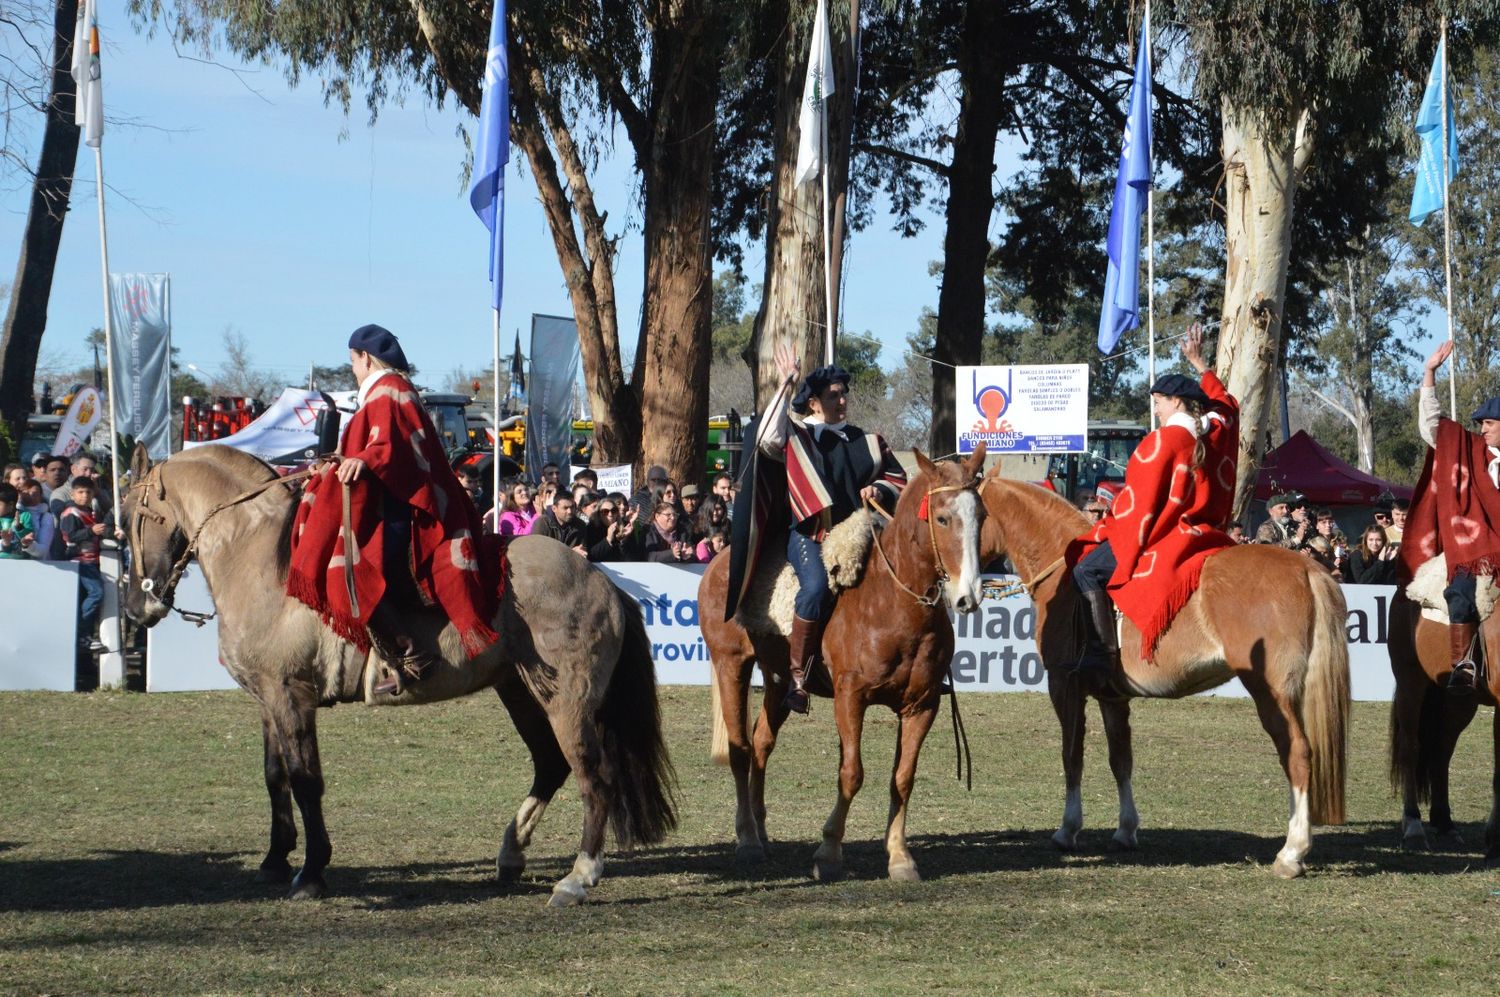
[140, 463]
[975, 461]
[924, 465]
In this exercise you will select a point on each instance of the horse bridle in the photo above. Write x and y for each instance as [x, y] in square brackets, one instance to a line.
[1029, 587]
[934, 593]
[152, 483]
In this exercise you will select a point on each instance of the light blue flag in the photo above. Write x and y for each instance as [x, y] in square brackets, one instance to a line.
[1122, 292]
[487, 195]
[1428, 195]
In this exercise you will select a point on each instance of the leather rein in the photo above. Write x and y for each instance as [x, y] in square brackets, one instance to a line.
[1017, 587]
[934, 593]
[153, 483]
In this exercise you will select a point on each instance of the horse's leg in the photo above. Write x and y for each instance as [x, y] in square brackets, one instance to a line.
[911, 732]
[293, 707]
[1492, 826]
[828, 860]
[274, 868]
[1116, 714]
[773, 714]
[1406, 722]
[578, 739]
[733, 679]
[1278, 715]
[1068, 702]
[1457, 713]
[549, 771]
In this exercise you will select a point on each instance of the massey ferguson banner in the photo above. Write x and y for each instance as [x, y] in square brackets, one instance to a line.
[1023, 409]
[140, 312]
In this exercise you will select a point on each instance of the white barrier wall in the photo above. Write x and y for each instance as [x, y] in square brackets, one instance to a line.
[38, 624]
[995, 648]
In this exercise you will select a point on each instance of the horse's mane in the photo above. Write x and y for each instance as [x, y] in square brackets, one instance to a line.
[237, 470]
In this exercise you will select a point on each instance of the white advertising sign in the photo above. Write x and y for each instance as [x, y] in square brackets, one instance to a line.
[1023, 409]
[612, 477]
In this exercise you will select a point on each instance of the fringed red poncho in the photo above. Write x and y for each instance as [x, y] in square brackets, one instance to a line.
[1455, 510]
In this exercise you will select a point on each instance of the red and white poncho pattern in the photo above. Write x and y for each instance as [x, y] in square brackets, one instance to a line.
[395, 438]
[1167, 519]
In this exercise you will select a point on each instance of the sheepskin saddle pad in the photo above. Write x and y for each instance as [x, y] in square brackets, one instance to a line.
[1426, 590]
[767, 608]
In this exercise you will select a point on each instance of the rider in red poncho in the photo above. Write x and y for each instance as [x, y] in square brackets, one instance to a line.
[1148, 550]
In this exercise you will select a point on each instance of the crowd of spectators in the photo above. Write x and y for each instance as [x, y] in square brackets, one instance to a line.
[59, 509]
[662, 522]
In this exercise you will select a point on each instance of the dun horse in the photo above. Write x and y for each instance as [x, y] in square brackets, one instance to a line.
[1426, 722]
[889, 642]
[1269, 617]
[573, 665]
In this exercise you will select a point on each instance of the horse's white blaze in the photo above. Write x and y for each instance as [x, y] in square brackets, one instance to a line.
[966, 508]
[1298, 830]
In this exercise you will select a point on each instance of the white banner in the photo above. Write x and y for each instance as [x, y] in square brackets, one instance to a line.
[84, 413]
[37, 639]
[287, 429]
[1023, 409]
[612, 477]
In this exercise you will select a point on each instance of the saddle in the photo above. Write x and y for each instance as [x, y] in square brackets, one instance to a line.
[1427, 585]
[768, 606]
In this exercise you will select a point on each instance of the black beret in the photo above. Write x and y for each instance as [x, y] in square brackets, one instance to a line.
[816, 383]
[1489, 410]
[1179, 386]
[381, 344]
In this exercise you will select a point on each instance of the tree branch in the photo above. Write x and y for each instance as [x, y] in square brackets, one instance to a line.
[878, 149]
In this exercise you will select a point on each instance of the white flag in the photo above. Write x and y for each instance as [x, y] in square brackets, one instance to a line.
[816, 90]
[88, 111]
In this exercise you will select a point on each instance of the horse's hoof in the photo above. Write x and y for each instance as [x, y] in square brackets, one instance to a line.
[905, 872]
[509, 874]
[271, 872]
[306, 888]
[825, 871]
[1285, 869]
[1117, 843]
[1064, 841]
[749, 854]
[567, 895]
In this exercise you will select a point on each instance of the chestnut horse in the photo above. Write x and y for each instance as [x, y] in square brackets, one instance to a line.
[889, 642]
[1426, 722]
[573, 664]
[1267, 616]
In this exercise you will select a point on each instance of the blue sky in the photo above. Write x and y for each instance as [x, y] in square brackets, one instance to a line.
[271, 223]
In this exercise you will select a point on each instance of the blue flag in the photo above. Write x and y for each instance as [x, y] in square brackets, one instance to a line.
[1428, 195]
[487, 195]
[1122, 292]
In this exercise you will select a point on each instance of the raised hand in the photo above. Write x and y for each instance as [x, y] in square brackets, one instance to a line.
[1192, 347]
[1439, 355]
[788, 364]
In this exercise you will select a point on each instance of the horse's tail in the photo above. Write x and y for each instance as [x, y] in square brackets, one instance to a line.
[643, 809]
[718, 748]
[1429, 733]
[1325, 700]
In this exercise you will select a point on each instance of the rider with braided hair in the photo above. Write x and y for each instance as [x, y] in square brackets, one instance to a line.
[1179, 490]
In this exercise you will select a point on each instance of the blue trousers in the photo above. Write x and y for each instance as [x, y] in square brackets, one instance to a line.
[1462, 598]
[1092, 574]
[92, 584]
[806, 558]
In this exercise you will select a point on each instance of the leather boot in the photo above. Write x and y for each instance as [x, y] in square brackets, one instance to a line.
[1464, 678]
[1101, 652]
[407, 660]
[804, 647]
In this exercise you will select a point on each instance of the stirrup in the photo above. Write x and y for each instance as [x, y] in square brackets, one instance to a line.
[404, 672]
[796, 699]
[1464, 679]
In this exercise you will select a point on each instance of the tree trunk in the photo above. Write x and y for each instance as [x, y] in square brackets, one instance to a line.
[676, 323]
[971, 202]
[1262, 169]
[794, 305]
[51, 190]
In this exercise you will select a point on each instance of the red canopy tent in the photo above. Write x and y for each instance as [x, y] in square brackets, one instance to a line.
[1302, 465]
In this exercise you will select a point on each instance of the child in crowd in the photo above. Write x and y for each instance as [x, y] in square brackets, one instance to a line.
[16, 531]
[82, 529]
[47, 543]
[715, 543]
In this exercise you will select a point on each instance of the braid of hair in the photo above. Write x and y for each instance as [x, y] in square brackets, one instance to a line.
[1194, 408]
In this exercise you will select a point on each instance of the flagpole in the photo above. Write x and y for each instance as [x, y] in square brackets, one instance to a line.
[1448, 234]
[495, 405]
[1150, 246]
[109, 348]
[828, 275]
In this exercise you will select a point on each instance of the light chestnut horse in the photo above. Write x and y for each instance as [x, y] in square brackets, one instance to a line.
[1426, 722]
[1267, 616]
[889, 643]
[573, 664]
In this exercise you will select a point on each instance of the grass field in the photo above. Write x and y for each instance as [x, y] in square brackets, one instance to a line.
[133, 826]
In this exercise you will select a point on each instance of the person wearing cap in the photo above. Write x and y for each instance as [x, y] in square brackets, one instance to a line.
[644, 500]
[690, 497]
[1456, 512]
[1148, 548]
[832, 469]
[1282, 528]
[415, 527]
